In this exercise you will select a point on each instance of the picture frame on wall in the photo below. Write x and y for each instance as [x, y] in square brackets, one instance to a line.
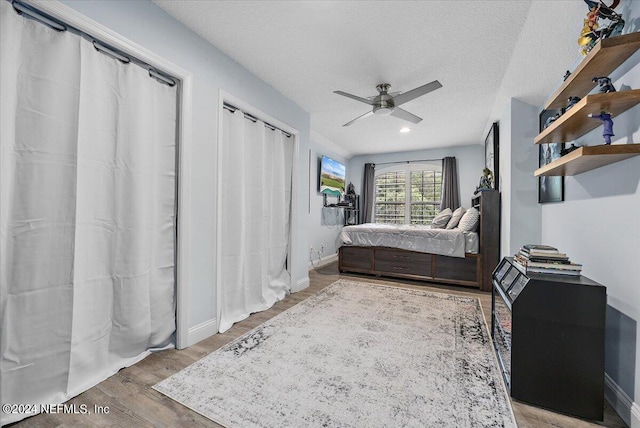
[491, 153]
[551, 188]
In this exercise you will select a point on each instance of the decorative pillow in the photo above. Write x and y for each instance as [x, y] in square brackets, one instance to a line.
[455, 218]
[441, 220]
[470, 220]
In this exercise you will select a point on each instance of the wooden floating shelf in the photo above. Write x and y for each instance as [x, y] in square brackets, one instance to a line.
[605, 57]
[587, 158]
[575, 123]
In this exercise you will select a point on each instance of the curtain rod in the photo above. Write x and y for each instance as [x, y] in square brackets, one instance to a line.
[29, 11]
[409, 161]
[252, 118]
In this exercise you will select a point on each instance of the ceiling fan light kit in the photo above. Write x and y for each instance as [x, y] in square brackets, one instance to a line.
[383, 110]
[385, 104]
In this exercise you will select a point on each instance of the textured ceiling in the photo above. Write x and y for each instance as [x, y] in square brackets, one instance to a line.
[483, 53]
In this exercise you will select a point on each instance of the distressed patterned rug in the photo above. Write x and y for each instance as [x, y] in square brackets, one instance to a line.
[354, 355]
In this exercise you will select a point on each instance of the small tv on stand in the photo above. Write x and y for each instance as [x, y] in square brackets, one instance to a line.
[332, 180]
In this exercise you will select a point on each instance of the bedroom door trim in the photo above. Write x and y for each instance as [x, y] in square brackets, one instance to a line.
[184, 133]
[223, 97]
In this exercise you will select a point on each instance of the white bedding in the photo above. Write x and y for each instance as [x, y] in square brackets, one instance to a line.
[423, 239]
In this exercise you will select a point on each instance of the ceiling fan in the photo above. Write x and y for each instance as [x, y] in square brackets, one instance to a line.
[385, 104]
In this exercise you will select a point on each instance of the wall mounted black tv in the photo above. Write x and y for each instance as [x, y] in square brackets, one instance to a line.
[332, 177]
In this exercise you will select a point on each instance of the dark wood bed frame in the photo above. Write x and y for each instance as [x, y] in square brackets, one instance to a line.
[474, 270]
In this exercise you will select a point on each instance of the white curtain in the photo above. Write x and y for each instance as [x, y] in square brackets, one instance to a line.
[255, 214]
[87, 196]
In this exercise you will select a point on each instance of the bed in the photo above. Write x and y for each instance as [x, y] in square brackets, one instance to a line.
[412, 237]
[422, 253]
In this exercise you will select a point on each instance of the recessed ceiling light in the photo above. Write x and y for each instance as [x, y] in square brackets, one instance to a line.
[405, 130]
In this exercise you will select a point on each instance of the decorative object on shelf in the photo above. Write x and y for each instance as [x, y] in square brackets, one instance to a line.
[605, 84]
[574, 123]
[351, 190]
[568, 150]
[536, 258]
[491, 151]
[551, 119]
[350, 197]
[572, 101]
[486, 181]
[587, 158]
[591, 32]
[603, 60]
[566, 75]
[588, 35]
[607, 131]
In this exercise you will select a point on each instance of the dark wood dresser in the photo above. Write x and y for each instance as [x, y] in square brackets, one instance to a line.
[548, 332]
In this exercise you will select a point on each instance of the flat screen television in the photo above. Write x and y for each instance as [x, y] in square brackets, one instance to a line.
[332, 177]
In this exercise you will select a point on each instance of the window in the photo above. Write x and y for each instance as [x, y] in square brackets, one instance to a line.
[390, 201]
[408, 194]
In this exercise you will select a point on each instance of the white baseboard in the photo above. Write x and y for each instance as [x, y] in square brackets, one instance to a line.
[202, 331]
[323, 261]
[635, 416]
[620, 401]
[300, 284]
[209, 328]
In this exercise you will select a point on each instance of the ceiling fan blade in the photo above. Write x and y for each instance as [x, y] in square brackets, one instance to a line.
[354, 97]
[415, 93]
[369, 113]
[403, 114]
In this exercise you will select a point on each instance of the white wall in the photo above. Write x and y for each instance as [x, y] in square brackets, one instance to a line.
[520, 215]
[598, 225]
[323, 233]
[504, 165]
[149, 26]
[469, 159]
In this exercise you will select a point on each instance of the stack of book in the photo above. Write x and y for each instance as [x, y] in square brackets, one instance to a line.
[546, 259]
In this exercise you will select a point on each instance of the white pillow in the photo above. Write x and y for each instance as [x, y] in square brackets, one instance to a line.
[455, 218]
[470, 220]
[441, 220]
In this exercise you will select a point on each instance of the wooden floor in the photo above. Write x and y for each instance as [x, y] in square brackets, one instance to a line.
[132, 402]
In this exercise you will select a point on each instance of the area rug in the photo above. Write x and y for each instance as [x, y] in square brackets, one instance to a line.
[354, 355]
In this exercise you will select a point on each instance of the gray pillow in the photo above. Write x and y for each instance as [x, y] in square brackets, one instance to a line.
[441, 220]
[470, 220]
[455, 218]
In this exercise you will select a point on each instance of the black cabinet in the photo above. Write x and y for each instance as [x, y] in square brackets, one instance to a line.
[488, 205]
[548, 332]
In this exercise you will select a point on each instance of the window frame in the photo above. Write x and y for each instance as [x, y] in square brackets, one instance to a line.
[407, 168]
